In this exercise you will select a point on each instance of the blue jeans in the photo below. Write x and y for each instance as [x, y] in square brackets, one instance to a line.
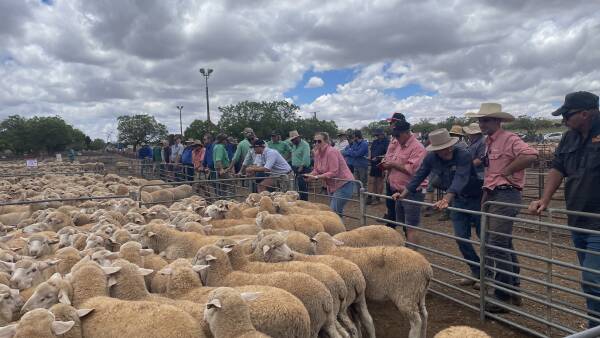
[461, 222]
[589, 242]
[340, 197]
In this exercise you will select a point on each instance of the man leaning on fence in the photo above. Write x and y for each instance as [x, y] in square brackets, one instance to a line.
[270, 163]
[577, 158]
[506, 158]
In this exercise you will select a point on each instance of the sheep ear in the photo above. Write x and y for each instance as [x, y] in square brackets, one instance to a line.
[112, 281]
[109, 270]
[337, 242]
[55, 276]
[7, 265]
[241, 241]
[63, 297]
[151, 234]
[314, 240]
[213, 303]
[199, 267]
[112, 255]
[146, 252]
[59, 327]
[83, 312]
[209, 258]
[145, 272]
[227, 249]
[6, 238]
[166, 271]
[8, 331]
[53, 240]
[46, 264]
[266, 249]
[250, 296]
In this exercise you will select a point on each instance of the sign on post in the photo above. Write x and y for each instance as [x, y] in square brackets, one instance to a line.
[58, 157]
[31, 163]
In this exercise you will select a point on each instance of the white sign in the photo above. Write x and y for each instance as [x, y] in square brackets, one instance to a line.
[31, 163]
[58, 157]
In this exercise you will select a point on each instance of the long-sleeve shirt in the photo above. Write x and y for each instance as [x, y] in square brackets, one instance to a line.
[477, 151]
[198, 157]
[157, 154]
[301, 154]
[166, 154]
[456, 176]
[330, 164]
[241, 151]
[272, 160]
[379, 148]
[145, 152]
[357, 152]
[503, 148]
[208, 157]
[410, 155]
[176, 151]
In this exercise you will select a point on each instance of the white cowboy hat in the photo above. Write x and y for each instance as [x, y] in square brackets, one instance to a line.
[493, 110]
[472, 129]
[457, 130]
[293, 134]
[440, 139]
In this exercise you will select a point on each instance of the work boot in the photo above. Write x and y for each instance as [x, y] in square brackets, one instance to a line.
[444, 217]
[377, 200]
[428, 211]
[493, 308]
[369, 200]
[516, 300]
[465, 282]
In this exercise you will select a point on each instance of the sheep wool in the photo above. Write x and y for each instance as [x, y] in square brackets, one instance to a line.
[461, 332]
[371, 235]
[39, 323]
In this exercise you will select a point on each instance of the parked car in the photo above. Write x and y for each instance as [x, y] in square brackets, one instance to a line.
[553, 137]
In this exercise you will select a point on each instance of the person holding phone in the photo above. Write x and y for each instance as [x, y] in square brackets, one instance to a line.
[378, 149]
[331, 167]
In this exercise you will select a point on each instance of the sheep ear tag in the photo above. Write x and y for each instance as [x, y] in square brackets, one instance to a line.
[215, 303]
[145, 272]
[250, 296]
[337, 242]
[59, 327]
[266, 249]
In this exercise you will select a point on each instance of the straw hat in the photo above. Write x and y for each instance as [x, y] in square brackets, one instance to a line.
[472, 129]
[440, 139]
[493, 110]
[189, 140]
[456, 130]
[198, 142]
[293, 134]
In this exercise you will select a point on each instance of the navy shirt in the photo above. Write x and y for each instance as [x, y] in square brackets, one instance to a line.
[207, 162]
[578, 160]
[477, 150]
[456, 176]
[379, 148]
[357, 153]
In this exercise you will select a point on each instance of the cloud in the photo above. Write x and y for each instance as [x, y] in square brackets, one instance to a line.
[91, 61]
[314, 82]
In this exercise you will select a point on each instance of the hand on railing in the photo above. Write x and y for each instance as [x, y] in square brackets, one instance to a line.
[400, 195]
[310, 178]
[536, 207]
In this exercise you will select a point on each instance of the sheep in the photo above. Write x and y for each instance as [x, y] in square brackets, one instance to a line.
[296, 240]
[395, 273]
[371, 235]
[242, 229]
[65, 236]
[53, 291]
[95, 240]
[305, 224]
[120, 237]
[161, 196]
[27, 272]
[157, 212]
[227, 314]
[38, 245]
[39, 323]
[80, 218]
[193, 227]
[277, 313]
[332, 223]
[134, 217]
[14, 218]
[133, 252]
[461, 332]
[266, 204]
[10, 303]
[313, 294]
[88, 280]
[57, 220]
[64, 312]
[181, 192]
[67, 257]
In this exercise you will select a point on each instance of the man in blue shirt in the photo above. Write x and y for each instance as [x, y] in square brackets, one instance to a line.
[454, 167]
[476, 147]
[378, 149]
[358, 152]
[207, 162]
[268, 162]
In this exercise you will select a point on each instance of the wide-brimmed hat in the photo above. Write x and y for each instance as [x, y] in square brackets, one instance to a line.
[456, 130]
[275, 133]
[189, 140]
[493, 110]
[198, 142]
[472, 129]
[293, 134]
[440, 139]
[341, 133]
[577, 101]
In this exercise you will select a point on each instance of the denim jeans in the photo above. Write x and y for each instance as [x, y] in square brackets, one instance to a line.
[340, 196]
[461, 222]
[409, 213]
[500, 259]
[589, 242]
[301, 182]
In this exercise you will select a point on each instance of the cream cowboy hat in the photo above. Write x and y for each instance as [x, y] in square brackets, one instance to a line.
[493, 110]
[472, 129]
[440, 139]
[457, 130]
[293, 134]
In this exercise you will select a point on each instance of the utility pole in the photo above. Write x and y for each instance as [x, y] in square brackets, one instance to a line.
[180, 124]
[206, 73]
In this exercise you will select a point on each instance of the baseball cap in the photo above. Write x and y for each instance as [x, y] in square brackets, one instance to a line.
[396, 117]
[577, 101]
[258, 143]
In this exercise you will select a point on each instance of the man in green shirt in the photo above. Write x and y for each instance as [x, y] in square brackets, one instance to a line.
[242, 148]
[300, 162]
[221, 162]
[282, 147]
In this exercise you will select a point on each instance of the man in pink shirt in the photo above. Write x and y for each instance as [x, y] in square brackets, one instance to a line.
[401, 161]
[505, 160]
[331, 167]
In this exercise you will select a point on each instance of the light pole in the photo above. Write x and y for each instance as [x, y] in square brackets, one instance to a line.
[206, 73]
[180, 124]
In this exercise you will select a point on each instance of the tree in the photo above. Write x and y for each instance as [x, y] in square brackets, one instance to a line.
[13, 133]
[52, 134]
[452, 120]
[263, 117]
[531, 126]
[424, 126]
[88, 142]
[137, 129]
[198, 128]
[97, 144]
[308, 127]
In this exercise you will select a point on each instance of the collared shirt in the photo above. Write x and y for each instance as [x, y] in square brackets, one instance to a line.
[208, 157]
[282, 147]
[156, 154]
[240, 152]
[301, 154]
[198, 156]
[330, 164]
[145, 152]
[230, 149]
[272, 160]
[219, 154]
[456, 175]
[251, 158]
[477, 151]
[341, 144]
[503, 147]
[379, 148]
[578, 160]
[176, 150]
[357, 152]
[411, 155]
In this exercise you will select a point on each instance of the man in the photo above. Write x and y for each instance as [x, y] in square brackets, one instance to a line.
[300, 162]
[282, 147]
[341, 142]
[145, 155]
[242, 148]
[165, 155]
[506, 158]
[270, 162]
[187, 170]
[357, 152]
[207, 163]
[221, 162]
[457, 131]
[402, 163]
[231, 146]
[577, 158]
[453, 165]
[176, 150]
[156, 158]
[389, 203]
[378, 148]
[476, 147]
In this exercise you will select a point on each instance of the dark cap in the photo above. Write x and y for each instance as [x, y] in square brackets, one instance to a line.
[396, 117]
[258, 143]
[377, 131]
[401, 126]
[577, 101]
[275, 133]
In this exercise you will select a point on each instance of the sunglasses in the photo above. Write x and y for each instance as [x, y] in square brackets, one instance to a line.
[568, 115]
[318, 141]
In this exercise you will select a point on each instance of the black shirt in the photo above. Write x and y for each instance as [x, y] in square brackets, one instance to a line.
[578, 160]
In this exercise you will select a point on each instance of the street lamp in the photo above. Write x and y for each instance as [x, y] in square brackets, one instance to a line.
[180, 124]
[206, 73]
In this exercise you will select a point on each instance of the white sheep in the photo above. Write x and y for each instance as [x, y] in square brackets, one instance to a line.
[39, 323]
[371, 235]
[461, 332]
[10, 304]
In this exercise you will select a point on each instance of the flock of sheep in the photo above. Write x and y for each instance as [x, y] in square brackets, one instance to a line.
[270, 266]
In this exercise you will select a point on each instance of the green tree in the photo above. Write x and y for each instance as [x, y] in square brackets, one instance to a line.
[51, 134]
[424, 126]
[88, 142]
[529, 125]
[97, 144]
[452, 120]
[198, 128]
[308, 127]
[263, 117]
[137, 129]
[13, 133]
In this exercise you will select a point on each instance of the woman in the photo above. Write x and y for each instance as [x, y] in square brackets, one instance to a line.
[331, 167]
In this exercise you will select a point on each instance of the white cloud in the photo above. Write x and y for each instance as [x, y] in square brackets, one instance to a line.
[90, 61]
[314, 82]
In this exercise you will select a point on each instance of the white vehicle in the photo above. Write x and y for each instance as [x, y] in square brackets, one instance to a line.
[553, 137]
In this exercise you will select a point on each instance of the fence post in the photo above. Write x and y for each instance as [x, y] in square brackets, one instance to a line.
[482, 254]
[363, 206]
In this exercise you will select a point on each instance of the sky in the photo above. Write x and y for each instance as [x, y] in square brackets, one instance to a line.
[351, 61]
